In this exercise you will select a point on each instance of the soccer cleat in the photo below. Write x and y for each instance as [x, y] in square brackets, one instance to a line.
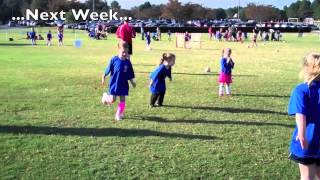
[104, 98]
[122, 115]
[118, 117]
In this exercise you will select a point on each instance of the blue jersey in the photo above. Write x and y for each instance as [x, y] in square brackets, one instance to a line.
[32, 35]
[148, 39]
[158, 77]
[60, 36]
[120, 71]
[49, 36]
[305, 99]
[226, 67]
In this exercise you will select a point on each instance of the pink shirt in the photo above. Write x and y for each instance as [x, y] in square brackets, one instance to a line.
[126, 33]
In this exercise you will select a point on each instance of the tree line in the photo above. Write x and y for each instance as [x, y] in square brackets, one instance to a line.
[173, 9]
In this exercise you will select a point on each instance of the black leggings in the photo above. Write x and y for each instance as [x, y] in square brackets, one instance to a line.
[155, 97]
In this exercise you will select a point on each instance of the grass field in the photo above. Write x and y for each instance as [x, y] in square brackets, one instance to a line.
[53, 125]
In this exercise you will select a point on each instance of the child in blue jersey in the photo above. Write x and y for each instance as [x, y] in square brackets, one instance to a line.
[60, 38]
[60, 31]
[225, 77]
[49, 38]
[158, 76]
[304, 104]
[121, 71]
[33, 37]
[148, 40]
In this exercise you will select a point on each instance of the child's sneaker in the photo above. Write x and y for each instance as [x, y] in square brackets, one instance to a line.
[118, 117]
[104, 98]
[122, 115]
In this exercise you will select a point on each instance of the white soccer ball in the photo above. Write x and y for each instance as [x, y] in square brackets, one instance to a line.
[207, 69]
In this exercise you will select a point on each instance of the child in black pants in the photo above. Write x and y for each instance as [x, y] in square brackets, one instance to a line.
[158, 76]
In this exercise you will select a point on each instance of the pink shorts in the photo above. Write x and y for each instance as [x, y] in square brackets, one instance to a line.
[225, 78]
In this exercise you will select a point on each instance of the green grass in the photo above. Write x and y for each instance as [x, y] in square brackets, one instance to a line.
[53, 125]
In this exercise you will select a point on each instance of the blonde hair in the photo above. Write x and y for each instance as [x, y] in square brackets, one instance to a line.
[227, 50]
[167, 57]
[311, 68]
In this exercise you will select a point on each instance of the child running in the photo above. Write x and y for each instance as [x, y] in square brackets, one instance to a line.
[158, 76]
[121, 71]
[225, 77]
[304, 104]
[49, 38]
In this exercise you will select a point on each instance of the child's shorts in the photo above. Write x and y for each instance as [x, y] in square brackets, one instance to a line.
[225, 78]
[305, 161]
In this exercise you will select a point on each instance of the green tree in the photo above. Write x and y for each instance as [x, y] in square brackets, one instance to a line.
[219, 13]
[42, 5]
[231, 12]
[262, 12]
[69, 17]
[305, 10]
[115, 6]
[292, 10]
[144, 6]
[172, 10]
[97, 5]
[316, 9]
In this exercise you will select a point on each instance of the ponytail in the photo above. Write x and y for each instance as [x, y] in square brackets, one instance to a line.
[167, 57]
[163, 58]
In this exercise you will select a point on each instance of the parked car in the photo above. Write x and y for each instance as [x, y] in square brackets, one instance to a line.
[82, 26]
[12, 24]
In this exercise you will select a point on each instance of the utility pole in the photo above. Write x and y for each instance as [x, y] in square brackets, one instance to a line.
[239, 9]
[93, 6]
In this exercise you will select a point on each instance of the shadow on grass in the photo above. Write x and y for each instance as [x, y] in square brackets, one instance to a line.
[228, 109]
[146, 65]
[15, 44]
[262, 95]
[219, 122]
[96, 132]
[199, 74]
[27, 44]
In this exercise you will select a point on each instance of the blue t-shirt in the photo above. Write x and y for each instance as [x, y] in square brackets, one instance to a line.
[92, 34]
[32, 35]
[49, 36]
[148, 39]
[60, 36]
[158, 77]
[305, 99]
[120, 71]
[226, 67]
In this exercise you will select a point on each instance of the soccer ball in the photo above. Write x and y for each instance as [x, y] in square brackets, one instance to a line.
[207, 69]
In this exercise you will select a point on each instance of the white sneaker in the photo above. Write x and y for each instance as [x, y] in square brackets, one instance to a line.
[122, 115]
[104, 99]
[118, 117]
